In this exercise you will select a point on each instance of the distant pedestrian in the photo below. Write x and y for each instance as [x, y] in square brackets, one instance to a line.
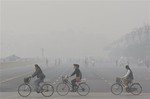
[46, 62]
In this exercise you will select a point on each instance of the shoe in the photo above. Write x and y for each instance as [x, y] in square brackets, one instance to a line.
[128, 89]
[72, 91]
[37, 91]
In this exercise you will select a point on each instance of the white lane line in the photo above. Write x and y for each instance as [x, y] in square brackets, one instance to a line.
[106, 81]
[6, 80]
[110, 83]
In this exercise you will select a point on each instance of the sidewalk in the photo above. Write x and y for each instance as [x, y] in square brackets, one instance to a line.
[14, 95]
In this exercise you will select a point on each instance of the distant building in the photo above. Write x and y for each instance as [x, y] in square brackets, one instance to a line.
[12, 58]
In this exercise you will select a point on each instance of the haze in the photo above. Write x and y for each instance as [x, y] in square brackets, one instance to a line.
[67, 28]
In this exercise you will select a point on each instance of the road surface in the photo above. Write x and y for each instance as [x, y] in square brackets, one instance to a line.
[14, 95]
[99, 77]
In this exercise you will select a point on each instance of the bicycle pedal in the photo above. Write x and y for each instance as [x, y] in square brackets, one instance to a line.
[38, 91]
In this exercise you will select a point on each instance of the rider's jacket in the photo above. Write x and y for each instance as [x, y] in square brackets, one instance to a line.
[77, 72]
[129, 75]
[39, 74]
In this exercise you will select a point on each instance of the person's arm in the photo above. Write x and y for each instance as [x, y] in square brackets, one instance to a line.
[127, 74]
[35, 73]
[74, 73]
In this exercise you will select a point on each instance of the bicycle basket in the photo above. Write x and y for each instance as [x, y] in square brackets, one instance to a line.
[27, 80]
[118, 80]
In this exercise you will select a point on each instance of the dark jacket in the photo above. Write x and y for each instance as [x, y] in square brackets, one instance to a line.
[39, 74]
[78, 73]
[130, 77]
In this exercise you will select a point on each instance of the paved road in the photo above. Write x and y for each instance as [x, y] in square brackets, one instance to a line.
[99, 77]
[14, 95]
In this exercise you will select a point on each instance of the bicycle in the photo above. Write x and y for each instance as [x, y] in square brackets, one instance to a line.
[64, 87]
[117, 88]
[25, 89]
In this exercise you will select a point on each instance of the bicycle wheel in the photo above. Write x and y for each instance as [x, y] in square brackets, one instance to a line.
[136, 89]
[62, 89]
[47, 90]
[83, 89]
[116, 89]
[24, 90]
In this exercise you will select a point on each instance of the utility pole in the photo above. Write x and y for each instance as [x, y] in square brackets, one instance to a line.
[147, 56]
[1, 46]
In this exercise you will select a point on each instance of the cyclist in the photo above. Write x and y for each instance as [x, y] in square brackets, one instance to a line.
[128, 77]
[78, 77]
[40, 77]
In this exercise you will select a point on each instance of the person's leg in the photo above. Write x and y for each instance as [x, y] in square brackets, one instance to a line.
[73, 84]
[125, 83]
[37, 82]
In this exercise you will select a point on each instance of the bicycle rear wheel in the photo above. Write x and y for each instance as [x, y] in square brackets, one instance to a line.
[83, 89]
[47, 90]
[136, 89]
[24, 90]
[62, 89]
[116, 89]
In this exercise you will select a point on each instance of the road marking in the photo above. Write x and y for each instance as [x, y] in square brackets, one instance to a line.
[6, 80]
[105, 80]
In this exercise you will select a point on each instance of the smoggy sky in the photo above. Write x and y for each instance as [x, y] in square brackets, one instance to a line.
[67, 28]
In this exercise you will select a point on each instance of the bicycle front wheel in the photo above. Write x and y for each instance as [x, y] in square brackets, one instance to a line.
[62, 89]
[47, 90]
[136, 89]
[83, 89]
[116, 89]
[24, 90]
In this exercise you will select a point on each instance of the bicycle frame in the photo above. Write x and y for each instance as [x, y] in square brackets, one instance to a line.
[33, 87]
[27, 87]
[121, 82]
[66, 81]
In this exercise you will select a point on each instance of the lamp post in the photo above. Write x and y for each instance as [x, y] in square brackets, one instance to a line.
[147, 46]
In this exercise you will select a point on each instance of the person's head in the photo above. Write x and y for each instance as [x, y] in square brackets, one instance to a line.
[36, 66]
[76, 66]
[127, 67]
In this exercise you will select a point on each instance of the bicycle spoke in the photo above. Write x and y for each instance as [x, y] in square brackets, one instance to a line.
[116, 89]
[47, 90]
[136, 89]
[62, 89]
[83, 89]
[24, 90]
